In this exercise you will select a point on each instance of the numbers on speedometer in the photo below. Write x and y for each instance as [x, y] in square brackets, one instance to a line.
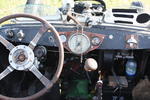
[79, 43]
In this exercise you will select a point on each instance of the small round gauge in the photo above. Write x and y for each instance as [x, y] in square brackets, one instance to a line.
[95, 41]
[79, 43]
[63, 38]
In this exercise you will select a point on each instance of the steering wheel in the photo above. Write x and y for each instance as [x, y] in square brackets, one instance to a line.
[22, 57]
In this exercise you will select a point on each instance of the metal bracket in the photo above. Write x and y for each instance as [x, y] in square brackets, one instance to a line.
[132, 41]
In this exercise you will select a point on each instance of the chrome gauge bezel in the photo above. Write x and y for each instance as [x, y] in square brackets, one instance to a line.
[88, 43]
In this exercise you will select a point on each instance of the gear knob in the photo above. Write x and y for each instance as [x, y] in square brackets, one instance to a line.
[90, 64]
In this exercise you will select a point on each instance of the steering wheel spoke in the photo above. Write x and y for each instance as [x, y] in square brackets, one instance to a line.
[40, 76]
[35, 40]
[7, 71]
[6, 43]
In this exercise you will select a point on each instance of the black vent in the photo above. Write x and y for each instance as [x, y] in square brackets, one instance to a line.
[125, 22]
[124, 16]
[125, 10]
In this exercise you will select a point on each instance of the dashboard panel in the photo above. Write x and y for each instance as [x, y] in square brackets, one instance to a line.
[114, 37]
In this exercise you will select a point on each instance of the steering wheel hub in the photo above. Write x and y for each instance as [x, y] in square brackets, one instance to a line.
[21, 57]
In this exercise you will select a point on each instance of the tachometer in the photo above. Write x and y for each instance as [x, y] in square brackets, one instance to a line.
[79, 43]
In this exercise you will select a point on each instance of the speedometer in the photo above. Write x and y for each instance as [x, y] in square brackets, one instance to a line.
[79, 43]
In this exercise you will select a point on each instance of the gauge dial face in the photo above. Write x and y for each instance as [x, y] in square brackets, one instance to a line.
[63, 38]
[95, 41]
[79, 43]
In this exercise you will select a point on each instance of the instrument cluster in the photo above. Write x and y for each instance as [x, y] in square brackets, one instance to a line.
[81, 42]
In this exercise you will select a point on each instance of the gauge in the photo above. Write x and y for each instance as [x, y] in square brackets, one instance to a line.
[79, 43]
[95, 41]
[63, 38]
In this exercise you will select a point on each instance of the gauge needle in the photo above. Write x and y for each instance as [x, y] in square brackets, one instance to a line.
[78, 45]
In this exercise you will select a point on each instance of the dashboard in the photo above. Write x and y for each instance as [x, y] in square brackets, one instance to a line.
[96, 37]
